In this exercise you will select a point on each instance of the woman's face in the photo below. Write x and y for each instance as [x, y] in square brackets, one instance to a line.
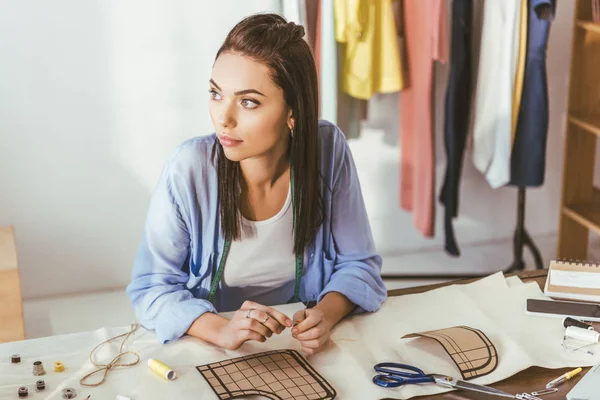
[248, 110]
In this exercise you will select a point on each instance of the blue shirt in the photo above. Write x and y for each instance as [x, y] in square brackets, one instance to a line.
[182, 241]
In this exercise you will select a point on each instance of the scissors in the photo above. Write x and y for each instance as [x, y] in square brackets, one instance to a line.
[394, 375]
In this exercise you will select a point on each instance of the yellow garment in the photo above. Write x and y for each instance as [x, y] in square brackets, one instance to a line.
[370, 58]
[518, 89]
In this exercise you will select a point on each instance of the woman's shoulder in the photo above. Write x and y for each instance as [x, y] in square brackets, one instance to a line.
[333, 147]
[193, 153]
[332, 140]
[330, 135]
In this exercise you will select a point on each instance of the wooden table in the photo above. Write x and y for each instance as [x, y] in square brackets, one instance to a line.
[534, 378]
[11, 305]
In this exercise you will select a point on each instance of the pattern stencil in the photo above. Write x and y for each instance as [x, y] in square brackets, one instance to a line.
[277, 375]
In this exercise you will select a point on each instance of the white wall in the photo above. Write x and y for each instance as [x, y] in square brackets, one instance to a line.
[94, 96]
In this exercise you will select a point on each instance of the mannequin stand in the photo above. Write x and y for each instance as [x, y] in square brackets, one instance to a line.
[522, 239]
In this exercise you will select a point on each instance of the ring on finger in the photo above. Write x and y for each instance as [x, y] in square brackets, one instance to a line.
[248, 313]
[266, 319]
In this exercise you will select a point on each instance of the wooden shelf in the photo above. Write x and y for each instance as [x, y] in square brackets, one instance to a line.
[580, 200]
[588, 26]
[587, 214]
[591, 125]
[12, 327]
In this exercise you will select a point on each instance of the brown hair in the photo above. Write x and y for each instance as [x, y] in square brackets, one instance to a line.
[278, 44]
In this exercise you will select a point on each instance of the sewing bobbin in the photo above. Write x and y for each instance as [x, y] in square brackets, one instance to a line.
[59, 367]
[38, 368]
[40, 386]
[69, 393]
[15, 359]
[23, 392]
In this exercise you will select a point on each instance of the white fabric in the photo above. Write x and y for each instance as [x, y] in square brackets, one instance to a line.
[328, 75]
[493, 99]
[294, 11]
[358, 343]
[263, 261]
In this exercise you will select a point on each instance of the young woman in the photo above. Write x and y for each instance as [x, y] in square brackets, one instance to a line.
[267, 210]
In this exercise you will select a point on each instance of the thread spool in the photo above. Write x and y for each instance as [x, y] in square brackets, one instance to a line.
[59, 367]
[567, 322]
[23, 392]
[38, 368]
[40, 385]
[585, 335]
[69, 393]
[162, 369]
[15, 359]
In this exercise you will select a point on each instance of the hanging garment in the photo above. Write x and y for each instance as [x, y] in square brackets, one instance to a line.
[294, 11]
[398, 9]
[520, 76]
[456, 127]
[317, 50]
[528, 160]
[311, 11]
[351, 111]
[371, 61]
[426, 41]
[477, 29]
[495, 85]
[328, 81]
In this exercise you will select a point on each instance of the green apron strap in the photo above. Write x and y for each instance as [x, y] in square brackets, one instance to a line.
[299, 258]
[217, 278]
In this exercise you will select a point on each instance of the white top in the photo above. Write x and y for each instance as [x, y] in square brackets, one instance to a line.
[263, 261]
[493, 103]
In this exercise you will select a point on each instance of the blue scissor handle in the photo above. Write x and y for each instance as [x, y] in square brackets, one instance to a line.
[394, 375]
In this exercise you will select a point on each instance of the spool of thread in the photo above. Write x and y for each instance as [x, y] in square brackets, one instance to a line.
[23, 392]
[59, 367]
[585, 335]
[567, 322]
[162, 369]
[15, 359]
[69, 393]
[38, 368]
[40, 385]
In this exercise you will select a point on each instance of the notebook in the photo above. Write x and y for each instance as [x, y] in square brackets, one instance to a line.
[573, 280]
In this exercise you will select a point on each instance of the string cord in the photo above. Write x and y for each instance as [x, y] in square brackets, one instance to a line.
[105, 368]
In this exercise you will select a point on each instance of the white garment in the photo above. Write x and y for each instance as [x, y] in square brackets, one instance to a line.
[262, 265]
[493, 102]
[294, 11]
[328, 78]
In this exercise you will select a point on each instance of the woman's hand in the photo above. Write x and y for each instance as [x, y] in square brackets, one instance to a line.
[312, 330]
[252, 321]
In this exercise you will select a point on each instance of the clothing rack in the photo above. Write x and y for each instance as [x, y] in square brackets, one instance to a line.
[521, 239]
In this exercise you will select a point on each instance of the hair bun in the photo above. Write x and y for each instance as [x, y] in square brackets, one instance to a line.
[296, 31]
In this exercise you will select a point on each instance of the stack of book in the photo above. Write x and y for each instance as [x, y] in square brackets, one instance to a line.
[574, 280]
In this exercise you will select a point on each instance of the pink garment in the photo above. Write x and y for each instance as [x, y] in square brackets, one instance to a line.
[426, 38]
[311, 9]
